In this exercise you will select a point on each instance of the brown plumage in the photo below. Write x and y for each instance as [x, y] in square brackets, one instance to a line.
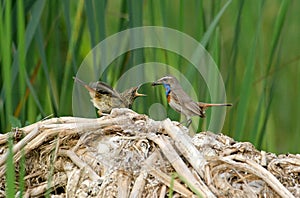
[105, 98]
[181, 102]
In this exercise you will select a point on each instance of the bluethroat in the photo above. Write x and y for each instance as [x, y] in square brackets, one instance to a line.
[181, 102]
[105, 98]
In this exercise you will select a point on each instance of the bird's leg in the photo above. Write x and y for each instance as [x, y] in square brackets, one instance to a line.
[188, 123]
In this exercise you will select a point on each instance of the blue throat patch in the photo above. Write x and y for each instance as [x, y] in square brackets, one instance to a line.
[168, 89]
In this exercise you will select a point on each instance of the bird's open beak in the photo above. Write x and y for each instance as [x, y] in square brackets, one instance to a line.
[91, 90]
[137, 94]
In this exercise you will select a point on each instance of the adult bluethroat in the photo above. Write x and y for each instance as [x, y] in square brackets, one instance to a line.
[105, 98]
[181, 102]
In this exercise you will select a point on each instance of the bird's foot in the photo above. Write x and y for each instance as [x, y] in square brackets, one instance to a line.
[100, 113]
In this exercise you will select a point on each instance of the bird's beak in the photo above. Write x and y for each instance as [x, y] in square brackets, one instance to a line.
[91, 90]
[156, 83]
[137, 94]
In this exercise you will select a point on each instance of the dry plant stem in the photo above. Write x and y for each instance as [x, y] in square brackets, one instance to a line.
[184, 144]
[41, 189]
[179, 165]
[256, 169]
[82, 165]
[208, 179]
[140, 181]
[35, 142]
[124, 182]
[73, 181]
[166, 179]
[163, 191]
[28, 129]
[294, 162]
[20, 144]
[163, 177]
[139, 185]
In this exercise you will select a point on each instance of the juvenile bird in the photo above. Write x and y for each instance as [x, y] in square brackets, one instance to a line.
[181, 102]
[105, 98]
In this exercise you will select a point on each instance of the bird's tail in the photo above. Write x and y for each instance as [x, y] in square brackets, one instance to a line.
[83, 84]
[206, 105]
[79, 81]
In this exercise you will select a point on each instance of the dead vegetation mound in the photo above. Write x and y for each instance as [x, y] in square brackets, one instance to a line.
[126, 154]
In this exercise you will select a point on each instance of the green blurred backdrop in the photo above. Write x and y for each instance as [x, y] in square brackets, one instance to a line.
[255, 44]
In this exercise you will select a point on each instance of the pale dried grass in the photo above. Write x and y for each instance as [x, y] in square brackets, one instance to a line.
[126, 154]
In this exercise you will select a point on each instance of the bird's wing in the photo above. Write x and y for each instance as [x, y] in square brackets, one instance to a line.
[104, 88]
[193, 107]
[187, 102]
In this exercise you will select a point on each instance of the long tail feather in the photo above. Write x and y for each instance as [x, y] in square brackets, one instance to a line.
[83, 84]
[205, 105]
[79, 81]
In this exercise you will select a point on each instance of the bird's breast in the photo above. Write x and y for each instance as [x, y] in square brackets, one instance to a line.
[169, 98]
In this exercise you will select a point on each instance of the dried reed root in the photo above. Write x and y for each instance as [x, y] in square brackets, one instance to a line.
[126, 154]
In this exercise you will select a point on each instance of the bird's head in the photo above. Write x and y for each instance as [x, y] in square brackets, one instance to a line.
[133, 92]
[130, 95]
[168, 82]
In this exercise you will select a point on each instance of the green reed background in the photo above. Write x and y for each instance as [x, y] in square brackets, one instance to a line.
[254, 43]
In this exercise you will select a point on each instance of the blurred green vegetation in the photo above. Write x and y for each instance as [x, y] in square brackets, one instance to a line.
[254, 43]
